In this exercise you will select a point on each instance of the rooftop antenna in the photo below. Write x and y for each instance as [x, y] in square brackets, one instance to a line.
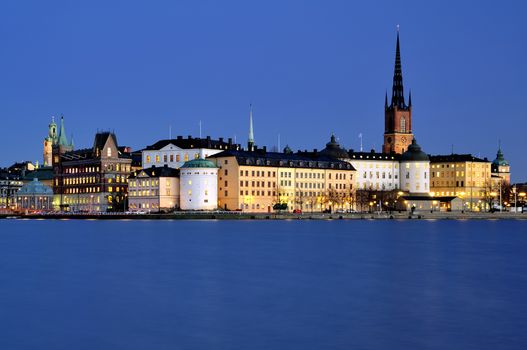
[278, 142]
[235, 139]
[200, 129]
[360, 137]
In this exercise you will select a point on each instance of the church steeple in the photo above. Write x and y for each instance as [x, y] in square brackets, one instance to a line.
[397, 89]
[63, 140]
[250, 140]
[397, 115]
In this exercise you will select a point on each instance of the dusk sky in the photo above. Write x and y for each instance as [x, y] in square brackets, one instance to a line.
[309, 68]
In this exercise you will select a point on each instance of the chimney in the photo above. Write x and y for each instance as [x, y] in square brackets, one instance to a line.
[229, 140]
[221, 139]
[190, 137]
[264, 149]
[180, 137]
[208, 138]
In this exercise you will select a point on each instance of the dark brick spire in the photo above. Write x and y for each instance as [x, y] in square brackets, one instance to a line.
[397, 90]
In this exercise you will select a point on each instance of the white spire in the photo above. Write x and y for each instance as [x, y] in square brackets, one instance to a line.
[250, 141]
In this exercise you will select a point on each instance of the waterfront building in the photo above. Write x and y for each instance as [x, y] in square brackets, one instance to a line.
[175, 152]
[91, 179]
[35, 196]
[415, 170]
[154, 189]
[374, 171]
[464, 176]
[10, 183]
[408, 172]
[256, 180]
[398, 133]
[420, 204]
[199, 185]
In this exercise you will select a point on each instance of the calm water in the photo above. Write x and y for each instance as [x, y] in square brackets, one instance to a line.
[263, 285]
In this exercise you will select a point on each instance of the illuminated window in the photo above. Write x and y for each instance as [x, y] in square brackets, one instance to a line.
[157, 158]
[190, 182]
[186, 157]
[109, 152]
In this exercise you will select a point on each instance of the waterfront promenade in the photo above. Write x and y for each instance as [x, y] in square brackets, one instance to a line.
[222, 215]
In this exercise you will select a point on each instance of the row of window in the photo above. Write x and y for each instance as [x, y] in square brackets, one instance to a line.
[146, 183]
[377, 166]
[378, 175]
[170, 158]
[461, 165]
[256, 173]
[378, 186]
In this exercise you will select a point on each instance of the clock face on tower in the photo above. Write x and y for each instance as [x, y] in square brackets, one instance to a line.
[403, 139]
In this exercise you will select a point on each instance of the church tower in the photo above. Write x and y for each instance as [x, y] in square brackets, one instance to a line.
[49, 141]
[397, 115]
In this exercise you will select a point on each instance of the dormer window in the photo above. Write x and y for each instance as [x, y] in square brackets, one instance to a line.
[109, 152]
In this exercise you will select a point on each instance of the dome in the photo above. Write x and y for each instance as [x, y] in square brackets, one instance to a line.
[35, 187]
[414, 154]
[199, 163]
[333, 149]
[500, 159]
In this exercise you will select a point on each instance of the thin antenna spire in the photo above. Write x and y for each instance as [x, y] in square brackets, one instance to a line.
[200, 129]
[360, 137]
[250, 141]
[278, 142]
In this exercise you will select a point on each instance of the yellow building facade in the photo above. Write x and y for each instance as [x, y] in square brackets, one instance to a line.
[464, 176]
[256, 181]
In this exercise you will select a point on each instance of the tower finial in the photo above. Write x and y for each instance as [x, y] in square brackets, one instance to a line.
[386, 100]
[250, 141]
[397, 89]
[410, 99]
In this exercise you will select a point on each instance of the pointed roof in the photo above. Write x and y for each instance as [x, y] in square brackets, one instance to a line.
[251, 132]
[500, 159]
[63, 140]
[397, 89]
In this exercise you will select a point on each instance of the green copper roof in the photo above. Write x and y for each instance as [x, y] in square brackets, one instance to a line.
[199, 163]
[500, 159]
[63, 141]
[414, 153]
[35, 187]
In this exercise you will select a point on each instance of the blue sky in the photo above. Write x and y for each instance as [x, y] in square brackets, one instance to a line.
[308, 67]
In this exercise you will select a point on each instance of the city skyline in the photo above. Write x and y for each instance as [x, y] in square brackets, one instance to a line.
[338, 88]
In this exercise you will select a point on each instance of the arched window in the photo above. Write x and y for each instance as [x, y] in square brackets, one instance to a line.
[403, 124]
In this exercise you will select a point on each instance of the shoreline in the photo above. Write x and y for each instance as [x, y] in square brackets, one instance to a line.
[268, 216]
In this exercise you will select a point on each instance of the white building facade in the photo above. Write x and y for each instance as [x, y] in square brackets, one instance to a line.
[154, 190]
[415, 170]
[199, 185]
[175, 152]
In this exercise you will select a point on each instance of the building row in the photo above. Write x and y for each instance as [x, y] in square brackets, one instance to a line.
[189, 173]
